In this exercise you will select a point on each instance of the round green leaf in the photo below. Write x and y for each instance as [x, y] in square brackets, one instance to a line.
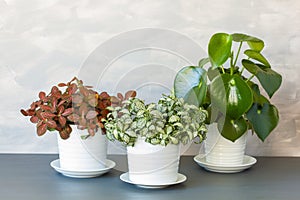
[253, 42]
[257, 56]
[231, 94]
[263, 119]
[232, 129]
[219, 48]
[257, 97]
[269, 79]
[190, 84]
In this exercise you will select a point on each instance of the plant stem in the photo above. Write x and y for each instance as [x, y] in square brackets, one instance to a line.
[223, 69]
[250, 77]
[242, 69]
[237, 55]
[231, 64]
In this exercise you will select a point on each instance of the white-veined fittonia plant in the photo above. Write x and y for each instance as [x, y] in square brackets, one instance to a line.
[170, 121]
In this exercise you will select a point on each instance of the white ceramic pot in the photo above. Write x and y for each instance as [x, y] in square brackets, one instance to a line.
[221, 151]
[78, 154]
[153, 164]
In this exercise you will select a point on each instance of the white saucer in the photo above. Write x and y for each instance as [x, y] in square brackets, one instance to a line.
[181, 178]
[248, 162]
[82, 174]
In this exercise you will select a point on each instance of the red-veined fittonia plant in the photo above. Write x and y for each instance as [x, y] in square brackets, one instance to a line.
[77, 105]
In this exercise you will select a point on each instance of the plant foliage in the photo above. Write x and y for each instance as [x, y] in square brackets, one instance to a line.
[169, 121]
[232, 98]
[76, 105]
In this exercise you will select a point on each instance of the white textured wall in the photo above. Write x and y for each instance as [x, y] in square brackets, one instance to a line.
[43, 42]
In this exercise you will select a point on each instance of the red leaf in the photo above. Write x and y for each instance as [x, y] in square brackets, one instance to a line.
[24, 112]
[62, 85]
[130, 93]
[102, 105]
[73, 118]
[54, 90]
[114, 100]
[92, 101]
[64, 135]
[72, 88]
[51, 124]
[41, 130]
[39, 123]
[57, 95]
[47, 115]
[61, 103]
[65, 96]
[120, 96]
[84, 91]
[60, 109]
[34, 119]
[104, 95]
[68, 129]
[91, 132]
[115, 105]
[107, 102]
[83, 109]
[94, 121]
[54, 104]
[42, 96]
[81, 127]
[38, 114]
[82, 122]
[67, 112]
[73, 79]
[45, 107]
[91, 114]
[62, 121]
[35, 104]
[104, 113]
[30, 112]
[101, 125]
[77, 99]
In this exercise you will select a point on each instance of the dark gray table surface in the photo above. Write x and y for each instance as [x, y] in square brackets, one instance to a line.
[31, 177]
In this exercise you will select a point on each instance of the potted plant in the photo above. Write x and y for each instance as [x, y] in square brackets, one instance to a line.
[152, 133]
[232, 94]
[76, 114]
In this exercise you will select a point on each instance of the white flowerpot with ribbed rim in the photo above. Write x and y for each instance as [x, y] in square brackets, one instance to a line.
[153, 164]
[77, 154]
[221, 151]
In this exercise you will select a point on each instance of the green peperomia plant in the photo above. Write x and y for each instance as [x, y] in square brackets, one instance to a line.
[232, 97]
[169, 121]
